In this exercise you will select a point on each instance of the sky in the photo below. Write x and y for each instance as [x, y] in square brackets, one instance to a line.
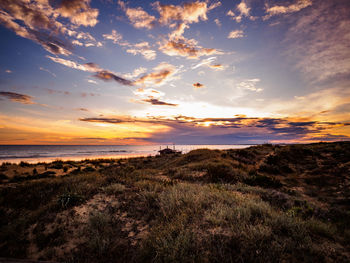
[184, 72]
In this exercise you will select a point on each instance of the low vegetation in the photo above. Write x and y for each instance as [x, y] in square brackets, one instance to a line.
[265, 203]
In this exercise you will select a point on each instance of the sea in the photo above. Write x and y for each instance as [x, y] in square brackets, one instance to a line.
[49, 153]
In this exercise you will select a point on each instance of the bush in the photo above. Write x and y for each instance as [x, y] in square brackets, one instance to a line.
[224, 172]
[89, 169]
[69, 199]
[263, 181]
[113, 189]
[3, 177]
[24, 164]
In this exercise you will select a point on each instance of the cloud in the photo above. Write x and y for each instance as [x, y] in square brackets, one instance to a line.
[162, 73]
[189, 12]
[92, 81]
[217, 66]
[318, 41]
[236, 34]
[155, 101]
[198, 85]
[114, 36]
[90, 67]
[17, 97]
[138, 17]
[142, 48]
[82, 109]
[108, 76]
[250, 84]
[137, 72]
[279, 9]
[79, 12]
[186, 48]
[243, 10]
[152, 96]
[101, 74]
[48, 71]
[8, 71]
[208, 63]
[38, 21]
[48, 42]
[52, 91]
[217, 22]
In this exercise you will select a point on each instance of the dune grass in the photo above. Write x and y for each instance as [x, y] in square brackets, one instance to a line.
[261, 204]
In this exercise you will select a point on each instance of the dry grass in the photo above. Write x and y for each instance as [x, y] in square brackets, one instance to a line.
[261, 204]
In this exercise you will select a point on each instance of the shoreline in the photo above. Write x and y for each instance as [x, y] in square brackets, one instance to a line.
[49, 153]
[76, 158]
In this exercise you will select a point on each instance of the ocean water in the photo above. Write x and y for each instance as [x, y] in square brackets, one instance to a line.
[47, 153]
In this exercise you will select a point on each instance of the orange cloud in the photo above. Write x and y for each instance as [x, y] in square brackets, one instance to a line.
[279, 9]
[243, 10]
[186, 48]
[79, 12]
[138, 17]
[188, 13]
[162, 73]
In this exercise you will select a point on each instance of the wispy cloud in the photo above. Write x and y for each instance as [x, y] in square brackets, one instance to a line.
[208, 63]
[48, 71]
[90, 67]
[281, 9]
[116, 37]
[319, 40]
[101, 74]
[142, 48]
[155, 101]
[250, 84]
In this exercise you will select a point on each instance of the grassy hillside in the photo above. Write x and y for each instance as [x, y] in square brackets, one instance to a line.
[261, 204]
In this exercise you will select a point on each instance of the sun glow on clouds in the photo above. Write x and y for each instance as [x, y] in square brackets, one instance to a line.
[163, 72]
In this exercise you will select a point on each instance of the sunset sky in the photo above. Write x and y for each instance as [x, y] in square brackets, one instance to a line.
[196, 72]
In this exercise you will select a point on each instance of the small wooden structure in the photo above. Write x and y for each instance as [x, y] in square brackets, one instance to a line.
[168, 151]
